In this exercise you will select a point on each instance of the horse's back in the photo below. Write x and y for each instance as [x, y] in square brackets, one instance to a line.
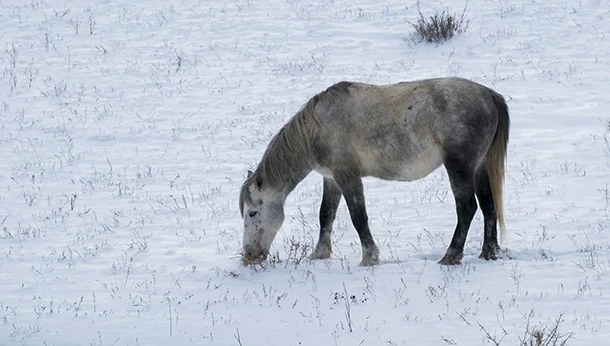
[404, 131]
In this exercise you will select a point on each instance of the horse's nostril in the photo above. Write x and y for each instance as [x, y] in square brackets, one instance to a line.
[249, 254]
[253, 213]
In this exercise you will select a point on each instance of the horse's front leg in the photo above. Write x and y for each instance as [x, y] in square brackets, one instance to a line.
[331, 196]
[351, 187]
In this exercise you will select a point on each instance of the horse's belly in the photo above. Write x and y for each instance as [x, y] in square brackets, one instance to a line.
[410, 168]
[421, 167]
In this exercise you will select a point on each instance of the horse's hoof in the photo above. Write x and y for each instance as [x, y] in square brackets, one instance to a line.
[319, 255]
[369, 262]
[490, 252]
[321, 251]
[450, 260]
[489, 255]
[370, 256]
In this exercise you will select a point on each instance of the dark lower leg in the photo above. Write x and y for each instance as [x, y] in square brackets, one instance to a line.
[490, 246]
[462, 185]
[466, 208]
[331, 196]
[352, 190]
[490, 239]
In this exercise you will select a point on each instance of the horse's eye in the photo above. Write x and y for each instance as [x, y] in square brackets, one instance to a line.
[253, 213]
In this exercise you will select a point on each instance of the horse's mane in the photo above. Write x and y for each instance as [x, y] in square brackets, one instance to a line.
[292, 142]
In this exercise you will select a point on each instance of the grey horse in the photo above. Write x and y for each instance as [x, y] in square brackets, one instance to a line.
[400, 132]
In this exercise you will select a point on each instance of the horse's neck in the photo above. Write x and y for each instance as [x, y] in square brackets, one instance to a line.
[300, 168]
[286, 169]
[299, 173]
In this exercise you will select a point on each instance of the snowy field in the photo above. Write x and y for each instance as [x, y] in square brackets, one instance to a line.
[126, 131]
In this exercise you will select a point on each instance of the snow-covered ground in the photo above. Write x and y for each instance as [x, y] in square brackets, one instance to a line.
[127, 128]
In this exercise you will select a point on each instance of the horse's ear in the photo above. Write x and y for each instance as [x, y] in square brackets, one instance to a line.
[259, 182]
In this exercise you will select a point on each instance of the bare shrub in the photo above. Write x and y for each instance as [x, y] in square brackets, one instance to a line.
[544, 335]
[297, 252]
[540, 335]
[439, 27]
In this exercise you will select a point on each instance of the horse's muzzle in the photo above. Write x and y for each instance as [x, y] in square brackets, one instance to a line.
[253, 255]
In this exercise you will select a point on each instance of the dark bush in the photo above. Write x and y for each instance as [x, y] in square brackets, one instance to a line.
[439, 27]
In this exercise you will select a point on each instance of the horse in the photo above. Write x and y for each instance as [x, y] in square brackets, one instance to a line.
[394, 132]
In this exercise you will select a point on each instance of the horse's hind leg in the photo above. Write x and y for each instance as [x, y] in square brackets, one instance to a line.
[462, 185]
[486, 202]
[331, 196]
[353, 192]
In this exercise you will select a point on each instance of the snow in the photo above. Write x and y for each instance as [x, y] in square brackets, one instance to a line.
[126, 130]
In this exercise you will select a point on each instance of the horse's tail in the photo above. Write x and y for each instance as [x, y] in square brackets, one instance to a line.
[496, 158]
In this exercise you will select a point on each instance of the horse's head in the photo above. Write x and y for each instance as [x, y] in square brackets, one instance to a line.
[262, 209]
